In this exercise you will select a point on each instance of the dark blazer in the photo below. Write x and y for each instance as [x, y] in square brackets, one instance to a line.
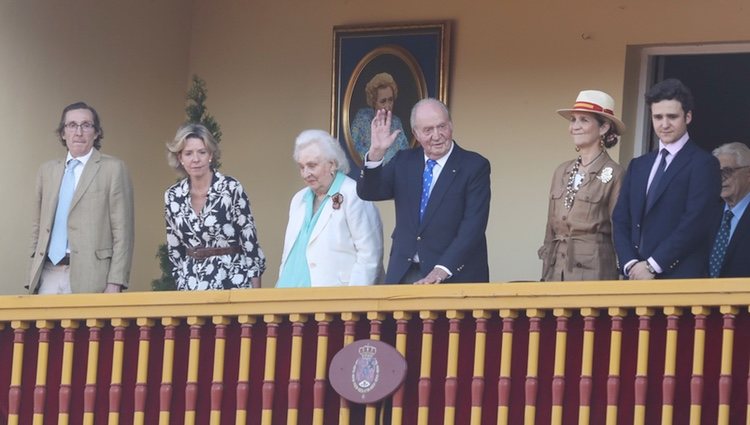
[452, 232]
[737, 258]
[677, 230]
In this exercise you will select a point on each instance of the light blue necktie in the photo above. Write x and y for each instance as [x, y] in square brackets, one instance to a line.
[426, 183]
[58, 244]
[720, 245]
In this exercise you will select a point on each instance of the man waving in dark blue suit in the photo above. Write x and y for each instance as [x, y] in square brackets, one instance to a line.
[442, 199]
[668, 200]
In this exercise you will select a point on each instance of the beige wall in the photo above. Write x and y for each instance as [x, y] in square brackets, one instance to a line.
[127, 59]
[268, 65]
[268, 69]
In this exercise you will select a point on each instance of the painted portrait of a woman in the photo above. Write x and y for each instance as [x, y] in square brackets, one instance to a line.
[381, 93]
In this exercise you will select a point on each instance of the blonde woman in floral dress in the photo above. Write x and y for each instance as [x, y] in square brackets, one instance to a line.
[211, 237]
[578, 239]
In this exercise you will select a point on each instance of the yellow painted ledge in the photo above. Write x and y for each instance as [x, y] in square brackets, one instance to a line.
[624, 294]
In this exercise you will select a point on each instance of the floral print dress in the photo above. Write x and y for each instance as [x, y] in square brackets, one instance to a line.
[225, 221]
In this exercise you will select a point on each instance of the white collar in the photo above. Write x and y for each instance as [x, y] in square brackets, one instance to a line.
[443, 159]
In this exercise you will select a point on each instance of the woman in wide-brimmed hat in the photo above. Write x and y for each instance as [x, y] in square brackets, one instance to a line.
[578, 239]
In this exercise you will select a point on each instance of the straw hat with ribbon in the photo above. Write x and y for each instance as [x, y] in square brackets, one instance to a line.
[595, 102]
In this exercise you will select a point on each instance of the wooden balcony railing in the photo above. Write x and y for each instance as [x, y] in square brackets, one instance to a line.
[664, 352]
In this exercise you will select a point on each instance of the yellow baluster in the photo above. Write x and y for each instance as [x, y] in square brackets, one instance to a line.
[699, 347]
[191, 384]
[727, 346]
[451, 373]
[532, 366]
[477, 381]
[14, 394]
[375, 318]
[615, 349]
[641, 369]
[141, 380]
[217, 383]
[115, 387]
[428, 318]
[269, 376]
[66, 373]
[298, 323]
[167, 367]
[350, 320]
[92, 364]
[587, 364]
[402, 320]
[506, 355]
[670, 364]
[243, 373]
[558, 380]
[321, 360]
[42, 359]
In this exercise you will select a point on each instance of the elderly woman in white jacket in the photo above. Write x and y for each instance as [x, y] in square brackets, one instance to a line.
[333, 238]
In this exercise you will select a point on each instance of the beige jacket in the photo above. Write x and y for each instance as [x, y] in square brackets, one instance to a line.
[578, 242]
[100, 223]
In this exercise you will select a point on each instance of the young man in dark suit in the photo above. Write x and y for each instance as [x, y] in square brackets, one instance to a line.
[663, 218]
[442, 198]
[730, 253]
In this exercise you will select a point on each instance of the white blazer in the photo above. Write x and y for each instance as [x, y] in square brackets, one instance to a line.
[346, 245]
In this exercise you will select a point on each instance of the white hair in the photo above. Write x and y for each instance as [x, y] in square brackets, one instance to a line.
[740, 151]
[425, 101]
[328, 146]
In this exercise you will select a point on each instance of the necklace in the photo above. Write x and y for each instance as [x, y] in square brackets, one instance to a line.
[592, 161]
[572, 188]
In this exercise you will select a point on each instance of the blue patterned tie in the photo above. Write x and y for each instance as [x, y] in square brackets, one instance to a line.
[58, 244]
[426, 183]
[720, 245]
[651, 195]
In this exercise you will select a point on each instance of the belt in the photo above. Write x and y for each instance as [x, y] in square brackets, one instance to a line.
[203, 253]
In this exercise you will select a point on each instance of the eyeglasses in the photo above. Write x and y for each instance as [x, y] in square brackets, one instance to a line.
[728, 172]
[72, 127]
[440, 128]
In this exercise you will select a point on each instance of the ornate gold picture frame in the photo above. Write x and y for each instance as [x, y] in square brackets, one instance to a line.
[411, 60]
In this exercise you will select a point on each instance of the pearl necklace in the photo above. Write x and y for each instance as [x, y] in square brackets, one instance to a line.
[572, 187]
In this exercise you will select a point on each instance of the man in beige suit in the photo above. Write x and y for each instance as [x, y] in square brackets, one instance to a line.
[82, 233]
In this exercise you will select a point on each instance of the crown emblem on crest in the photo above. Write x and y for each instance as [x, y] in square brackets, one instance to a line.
[367, 351]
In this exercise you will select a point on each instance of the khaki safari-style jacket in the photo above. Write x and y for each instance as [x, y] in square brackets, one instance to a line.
[578, 242]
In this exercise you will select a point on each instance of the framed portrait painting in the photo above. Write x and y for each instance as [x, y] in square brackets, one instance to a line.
[385, 67]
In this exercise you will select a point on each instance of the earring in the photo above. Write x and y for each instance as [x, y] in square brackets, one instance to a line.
[578, 148]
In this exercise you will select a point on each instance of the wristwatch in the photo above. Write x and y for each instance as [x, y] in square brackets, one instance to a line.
[650, 268]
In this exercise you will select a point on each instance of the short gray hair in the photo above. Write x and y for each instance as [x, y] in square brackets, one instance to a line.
[328, 146]
[740, 151]
[425, 101]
